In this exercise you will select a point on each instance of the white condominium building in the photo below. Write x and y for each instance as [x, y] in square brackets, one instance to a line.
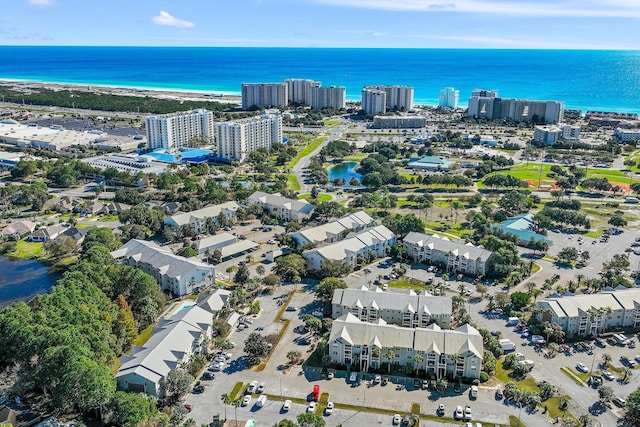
[370, 345]
[449, 98]
[487, 105]
[399, 122]
[593, 314]
[299, 90]
[264, 95]
[396, 98]
[627, 135]
[550, 134]
[374, 101]
[178, 129]
[236, 139]
[328, 97]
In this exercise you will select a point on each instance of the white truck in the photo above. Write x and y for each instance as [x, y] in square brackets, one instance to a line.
[507, 345]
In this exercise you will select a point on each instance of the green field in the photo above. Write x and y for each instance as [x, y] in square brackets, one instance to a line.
[293, 183]
[306, 151]
[322, 197]
[26, 250]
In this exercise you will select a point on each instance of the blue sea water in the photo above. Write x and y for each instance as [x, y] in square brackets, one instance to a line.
[587, 80]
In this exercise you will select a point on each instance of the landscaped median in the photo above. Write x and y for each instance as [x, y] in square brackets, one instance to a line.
[574, 376]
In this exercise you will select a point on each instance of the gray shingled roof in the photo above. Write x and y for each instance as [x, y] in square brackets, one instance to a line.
[443, 244]
[392, 301]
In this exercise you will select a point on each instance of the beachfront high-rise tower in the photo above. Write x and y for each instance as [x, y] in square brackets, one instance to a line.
[396, 98]
[299, 90]
[236, 139]
[176, 130]
[485, 104]
[374, 101]
[264, 95]
[334, 97]
[449, 98]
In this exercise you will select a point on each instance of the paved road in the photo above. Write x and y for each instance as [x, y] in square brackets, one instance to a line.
[303, 163]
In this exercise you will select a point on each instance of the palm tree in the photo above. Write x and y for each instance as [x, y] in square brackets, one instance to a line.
[455, 358]
[491, 304]
[417, 359]
[390, 354]
[225, 399]
[441, 384]
[606, 359]
[376, 354]
[235, 404]
[626, 372]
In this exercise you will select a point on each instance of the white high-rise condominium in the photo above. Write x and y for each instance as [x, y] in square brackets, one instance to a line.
[328, 97]
[178, 129]
[374, 101]
[264, 95]
[398, 98]
[449, 98]
[236, 139]
[299, 90]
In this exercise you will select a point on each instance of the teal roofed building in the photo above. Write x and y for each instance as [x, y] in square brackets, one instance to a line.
[431, 163]
[522, 226]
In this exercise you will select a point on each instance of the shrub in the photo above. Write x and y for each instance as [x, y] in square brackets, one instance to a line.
[484, 377]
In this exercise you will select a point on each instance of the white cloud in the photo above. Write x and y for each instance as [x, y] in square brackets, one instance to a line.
[558, 8]
[40, 3]
[170, 21]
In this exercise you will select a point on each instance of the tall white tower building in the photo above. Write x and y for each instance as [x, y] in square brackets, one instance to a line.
[374, 101]
[175, 130]
[449, 98]
[264, 95]
[328, 97]
[237, 138]
[299, 90]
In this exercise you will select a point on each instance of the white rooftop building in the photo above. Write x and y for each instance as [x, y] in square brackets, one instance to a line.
[236, 139]
[333, 230]
[198, 219]
[549, 134]
[282, 207]
[176, 130]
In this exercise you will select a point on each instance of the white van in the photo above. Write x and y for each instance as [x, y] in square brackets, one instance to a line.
[261, 401]
[474, 391]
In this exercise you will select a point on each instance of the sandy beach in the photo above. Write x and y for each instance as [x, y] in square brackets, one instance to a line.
[27, 86]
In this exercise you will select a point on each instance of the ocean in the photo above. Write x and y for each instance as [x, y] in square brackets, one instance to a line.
[583, 79]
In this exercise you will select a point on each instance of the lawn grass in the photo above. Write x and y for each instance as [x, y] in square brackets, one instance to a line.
[292, 183]
[526, 384]
[355, 157]
[234, 392]
[306, 151]
[322, 197]
[106, 218]
[143, 336]
[25, 250]
[405, 283]
[331, 122]
[536, 268]
[553, 406]
[574, 376]
[514, 422]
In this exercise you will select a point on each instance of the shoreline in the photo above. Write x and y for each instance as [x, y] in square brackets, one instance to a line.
[123, 90]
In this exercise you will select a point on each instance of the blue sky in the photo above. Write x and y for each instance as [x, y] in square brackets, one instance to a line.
[556, 24]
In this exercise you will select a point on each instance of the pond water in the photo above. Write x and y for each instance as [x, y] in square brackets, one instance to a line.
[346, 171]
[22, 279]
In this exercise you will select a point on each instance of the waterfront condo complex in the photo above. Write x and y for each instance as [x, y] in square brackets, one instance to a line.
[486, 104]
[299, 90]
[449, 98]
[264, 95]
[175, 130]
[304, 92]
[380, 99]
[237, 138]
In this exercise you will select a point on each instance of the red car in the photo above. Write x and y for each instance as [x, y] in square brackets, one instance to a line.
[316, 392]
[188, 407]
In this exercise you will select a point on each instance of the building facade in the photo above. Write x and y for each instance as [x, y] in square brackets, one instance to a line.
[550, 134]
[367, 345]
[197, 219]
[174, 273]
[408, 310]
[334, 97]
[335, 230]
[365, 244]
[592, 314]
[399, 122]
[176, 130]
[449, 98]
[236, 139]
[299, 90]
[264, 95]
[456, 257]
[374, 101]
[627, 135]
[487, 105]
[281, 207]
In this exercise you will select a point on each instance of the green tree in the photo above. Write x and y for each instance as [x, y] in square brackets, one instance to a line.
[312, 323]
[520, 300]
[178, 382]
[605, 393]
[243, 275]
[100, 235]
[325, 289]
[290, 267]
[285, 423]
[309, 419]
[131, 409]
[256, 345]
[335, 268]
[632, 416]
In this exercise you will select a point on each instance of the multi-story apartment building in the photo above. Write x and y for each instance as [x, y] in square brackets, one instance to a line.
[334, 97]
[549, 134]
[369, 345]
[592, 314]
[176, 130]
[264, 95]
[299, 90]
[237, 138]
[335, 230]
[627, 135]
[374, 100]
[281, 207]
[456, 257]
[487, 105]
[174, 273]
[197, 219]
[365, 243]
[408, 309]
[449, 98]
[399, 122]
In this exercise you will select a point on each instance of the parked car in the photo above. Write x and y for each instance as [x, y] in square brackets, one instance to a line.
[458, 413]
[329, 409]
[330, 374]
[311, 407]
[425, 384]
[260, 388]
[292, 308]
[474, 391]
[198, 389]
[286, 406]
[315, 395]
[582, 367]
[619, 401]
[353, 377]
[608, 375]
[467, 413]
[440, 411]
[246, 400]
[377, 379]
[218, 366]
[261, 401]
[208, 375]
[252, 387]
[396, 419]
